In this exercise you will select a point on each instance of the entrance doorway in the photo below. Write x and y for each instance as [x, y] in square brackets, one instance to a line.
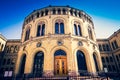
[60, 63]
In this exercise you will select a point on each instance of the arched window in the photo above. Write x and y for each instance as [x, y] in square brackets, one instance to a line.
[22, 65]
[27, 34]
[38, 30]
[41, 29]
[38, 64]
[90, 33]
[59, 27]
[95, 61]
[56, 28]
[77, 30]
[81, 62]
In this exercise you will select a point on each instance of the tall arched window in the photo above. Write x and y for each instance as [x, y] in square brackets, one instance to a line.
[41, 29]
[27, 34]
[95, 61]
[77, 30]
[56, 28]
[38, 64]
[59, 27]
[81, 62]
[22, 65]
[90, 33]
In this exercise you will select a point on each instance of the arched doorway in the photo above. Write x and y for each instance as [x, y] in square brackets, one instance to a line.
[38, 64]
[60, 62]
[81, 62]
[22, 65]
[95, 61]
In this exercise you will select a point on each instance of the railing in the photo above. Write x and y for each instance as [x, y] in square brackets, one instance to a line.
[56, 78]
[83, 76]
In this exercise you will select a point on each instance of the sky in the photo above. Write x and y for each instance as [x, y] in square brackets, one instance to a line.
[105, 14]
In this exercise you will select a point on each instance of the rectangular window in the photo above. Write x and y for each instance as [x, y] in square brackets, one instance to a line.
[108, 47]
[116, 45]
[113, 46]
[109, 68]
[4, 62]
[117, 58]
[113, 67]
[111, 59]
[107, 59]
[100, 47]
[104, 47]
[103, 60]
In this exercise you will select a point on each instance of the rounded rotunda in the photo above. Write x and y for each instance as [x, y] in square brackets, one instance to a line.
[58, 41]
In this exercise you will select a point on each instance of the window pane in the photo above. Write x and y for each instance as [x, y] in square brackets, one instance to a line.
[108, 48]
[104, 47]
[38, 62]
[79, 30]
[43, 30]
[56, 28]
[38, 30]
[22, 66]
[61, 28]
[64, 11]
[54, 11]
[71, 12]
[107, 59]
[113, 46]
[111, 59]
[90, 33]
[75, 29]
[100, 47]
[59, 11]
[116, 45]
[81, 61]
[27, 34]
[103, 60]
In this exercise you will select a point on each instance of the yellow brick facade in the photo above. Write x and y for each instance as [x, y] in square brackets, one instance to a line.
[50, 41]
[111, 57]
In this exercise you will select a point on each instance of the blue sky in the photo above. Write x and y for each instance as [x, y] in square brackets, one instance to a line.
[105, 14]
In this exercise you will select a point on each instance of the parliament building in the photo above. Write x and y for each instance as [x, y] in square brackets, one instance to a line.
[59, 41]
